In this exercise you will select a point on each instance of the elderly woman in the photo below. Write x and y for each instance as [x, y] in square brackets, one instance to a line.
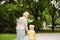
[21, 26]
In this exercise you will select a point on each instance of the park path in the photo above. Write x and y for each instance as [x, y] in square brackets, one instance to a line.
[46, 36]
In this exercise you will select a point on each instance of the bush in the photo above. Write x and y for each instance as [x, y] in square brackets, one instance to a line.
[49, 30]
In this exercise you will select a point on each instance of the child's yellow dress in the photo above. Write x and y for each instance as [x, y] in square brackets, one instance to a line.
[31, 34]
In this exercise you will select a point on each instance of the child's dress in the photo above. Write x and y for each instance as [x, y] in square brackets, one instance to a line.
[31, 34]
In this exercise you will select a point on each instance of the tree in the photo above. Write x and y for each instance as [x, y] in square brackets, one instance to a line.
[9, 12]
[53, 13]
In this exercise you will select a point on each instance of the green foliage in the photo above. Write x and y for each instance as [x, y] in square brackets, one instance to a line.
[12, 10]
[8, 14]
[49, 30]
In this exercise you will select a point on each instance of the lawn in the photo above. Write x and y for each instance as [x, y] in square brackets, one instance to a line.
[7, 36]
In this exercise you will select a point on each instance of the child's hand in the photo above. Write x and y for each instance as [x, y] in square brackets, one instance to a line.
[27, 33]
[34, 39]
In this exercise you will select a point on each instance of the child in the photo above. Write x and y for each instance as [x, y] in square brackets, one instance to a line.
[31, 32]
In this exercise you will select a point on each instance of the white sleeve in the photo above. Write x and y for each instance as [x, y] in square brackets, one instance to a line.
[18, 20]
[25, 24]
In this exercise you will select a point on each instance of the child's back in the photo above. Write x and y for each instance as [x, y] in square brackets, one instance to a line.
[31, 33]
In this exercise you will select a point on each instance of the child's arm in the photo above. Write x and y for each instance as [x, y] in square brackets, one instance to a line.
[28, 33]
[34, 35]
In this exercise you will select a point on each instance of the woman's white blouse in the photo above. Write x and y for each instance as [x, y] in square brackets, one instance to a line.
[21, 23]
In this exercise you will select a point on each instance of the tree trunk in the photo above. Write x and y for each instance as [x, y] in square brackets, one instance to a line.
[52, 23]
[36, 28]
[36, 16]
[53, 20]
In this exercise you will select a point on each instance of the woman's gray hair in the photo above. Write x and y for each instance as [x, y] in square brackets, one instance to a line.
[25, 13]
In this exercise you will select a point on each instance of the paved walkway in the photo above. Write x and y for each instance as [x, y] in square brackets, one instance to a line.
[46, 36]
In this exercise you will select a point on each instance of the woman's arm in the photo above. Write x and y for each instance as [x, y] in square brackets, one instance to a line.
[25, 24]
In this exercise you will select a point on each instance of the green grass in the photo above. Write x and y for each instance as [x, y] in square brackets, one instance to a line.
[7, 36]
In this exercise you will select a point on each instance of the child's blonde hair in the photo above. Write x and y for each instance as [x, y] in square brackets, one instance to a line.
[31, 26]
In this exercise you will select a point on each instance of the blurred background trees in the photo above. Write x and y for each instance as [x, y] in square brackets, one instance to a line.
[41, 11]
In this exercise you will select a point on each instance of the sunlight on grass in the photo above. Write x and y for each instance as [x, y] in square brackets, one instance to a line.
[7, 36]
